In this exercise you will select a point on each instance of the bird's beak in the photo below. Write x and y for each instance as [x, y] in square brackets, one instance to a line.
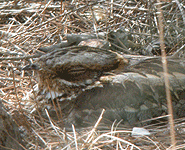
[30, 67]
[27, 67]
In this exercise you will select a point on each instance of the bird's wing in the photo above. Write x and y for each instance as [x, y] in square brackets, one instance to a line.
[133, 96]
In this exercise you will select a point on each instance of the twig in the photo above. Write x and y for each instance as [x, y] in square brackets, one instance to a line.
[95, 126]
[53, 126]
[182, 11]
[177, 52]
[19, 58]
[74, 132]
[166, 79]
[114, 138]
[45, 143]
[10, 79]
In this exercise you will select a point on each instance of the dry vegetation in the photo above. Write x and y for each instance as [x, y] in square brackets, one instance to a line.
[27, 25]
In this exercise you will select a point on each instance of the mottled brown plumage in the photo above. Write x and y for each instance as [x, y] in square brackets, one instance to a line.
[86, 80]
[68, 71]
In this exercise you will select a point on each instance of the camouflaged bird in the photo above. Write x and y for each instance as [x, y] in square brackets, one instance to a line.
[86, 80]
[68, 71]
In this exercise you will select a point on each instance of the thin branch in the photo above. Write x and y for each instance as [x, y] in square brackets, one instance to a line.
[166, 79]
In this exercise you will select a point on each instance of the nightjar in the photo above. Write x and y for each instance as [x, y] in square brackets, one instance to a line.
[86, 80]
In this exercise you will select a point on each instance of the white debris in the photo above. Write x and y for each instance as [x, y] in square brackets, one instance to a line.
[136, 131]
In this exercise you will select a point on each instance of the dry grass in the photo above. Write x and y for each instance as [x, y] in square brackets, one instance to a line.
[27, 25]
